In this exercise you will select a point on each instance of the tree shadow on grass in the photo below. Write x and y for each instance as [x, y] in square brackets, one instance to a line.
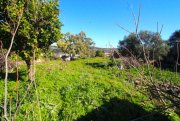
[99, 65]
[13, 76]
[122, 110]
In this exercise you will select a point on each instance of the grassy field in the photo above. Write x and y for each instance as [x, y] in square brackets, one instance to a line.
[85, 90]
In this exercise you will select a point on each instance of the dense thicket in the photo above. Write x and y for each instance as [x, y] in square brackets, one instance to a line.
[172, 60]
[174, 42]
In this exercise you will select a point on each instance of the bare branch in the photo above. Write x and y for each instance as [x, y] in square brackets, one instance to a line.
[124, 29]
[134, 17]
[137, 26]
[14, 30]
[157, 27]
[161, 29]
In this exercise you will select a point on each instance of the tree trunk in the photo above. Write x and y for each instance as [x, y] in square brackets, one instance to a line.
[30, 69]
[17, 71]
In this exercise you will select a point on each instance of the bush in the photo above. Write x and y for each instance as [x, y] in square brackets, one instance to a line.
[100, 53]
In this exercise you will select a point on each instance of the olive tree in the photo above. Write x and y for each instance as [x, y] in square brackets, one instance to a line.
[155, 48]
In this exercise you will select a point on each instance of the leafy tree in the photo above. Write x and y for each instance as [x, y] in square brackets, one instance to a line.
[129, 45]
[76, 44]
[172, 60]
[39, 28]
[10, 16]
[65, 42]
[155, 48]
[174, 42]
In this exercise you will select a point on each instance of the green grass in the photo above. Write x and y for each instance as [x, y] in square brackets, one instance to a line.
[85, 89]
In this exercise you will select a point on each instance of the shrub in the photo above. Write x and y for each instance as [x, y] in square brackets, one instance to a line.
[100, 53]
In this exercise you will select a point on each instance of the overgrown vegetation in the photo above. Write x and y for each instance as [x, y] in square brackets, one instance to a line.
[100, 53]
[89, 89]
[172, 60]
[128, 88]
[164, 53]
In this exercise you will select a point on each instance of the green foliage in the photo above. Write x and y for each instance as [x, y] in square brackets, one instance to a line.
[39, 28]
[48, 55]
[155, 48]
[77, 44]
[69, 91]
[160, 76]
[129, 45]
[173, 56]
[99, 53]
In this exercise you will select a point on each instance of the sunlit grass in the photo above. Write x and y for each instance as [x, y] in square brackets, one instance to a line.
[70, 90]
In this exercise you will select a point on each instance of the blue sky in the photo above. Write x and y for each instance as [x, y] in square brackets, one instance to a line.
[99, 18]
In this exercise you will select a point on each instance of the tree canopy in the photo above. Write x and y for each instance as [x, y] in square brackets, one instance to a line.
[174, 42]
[173, 58]
[39, 28]
[155, 48]
[76, 44]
